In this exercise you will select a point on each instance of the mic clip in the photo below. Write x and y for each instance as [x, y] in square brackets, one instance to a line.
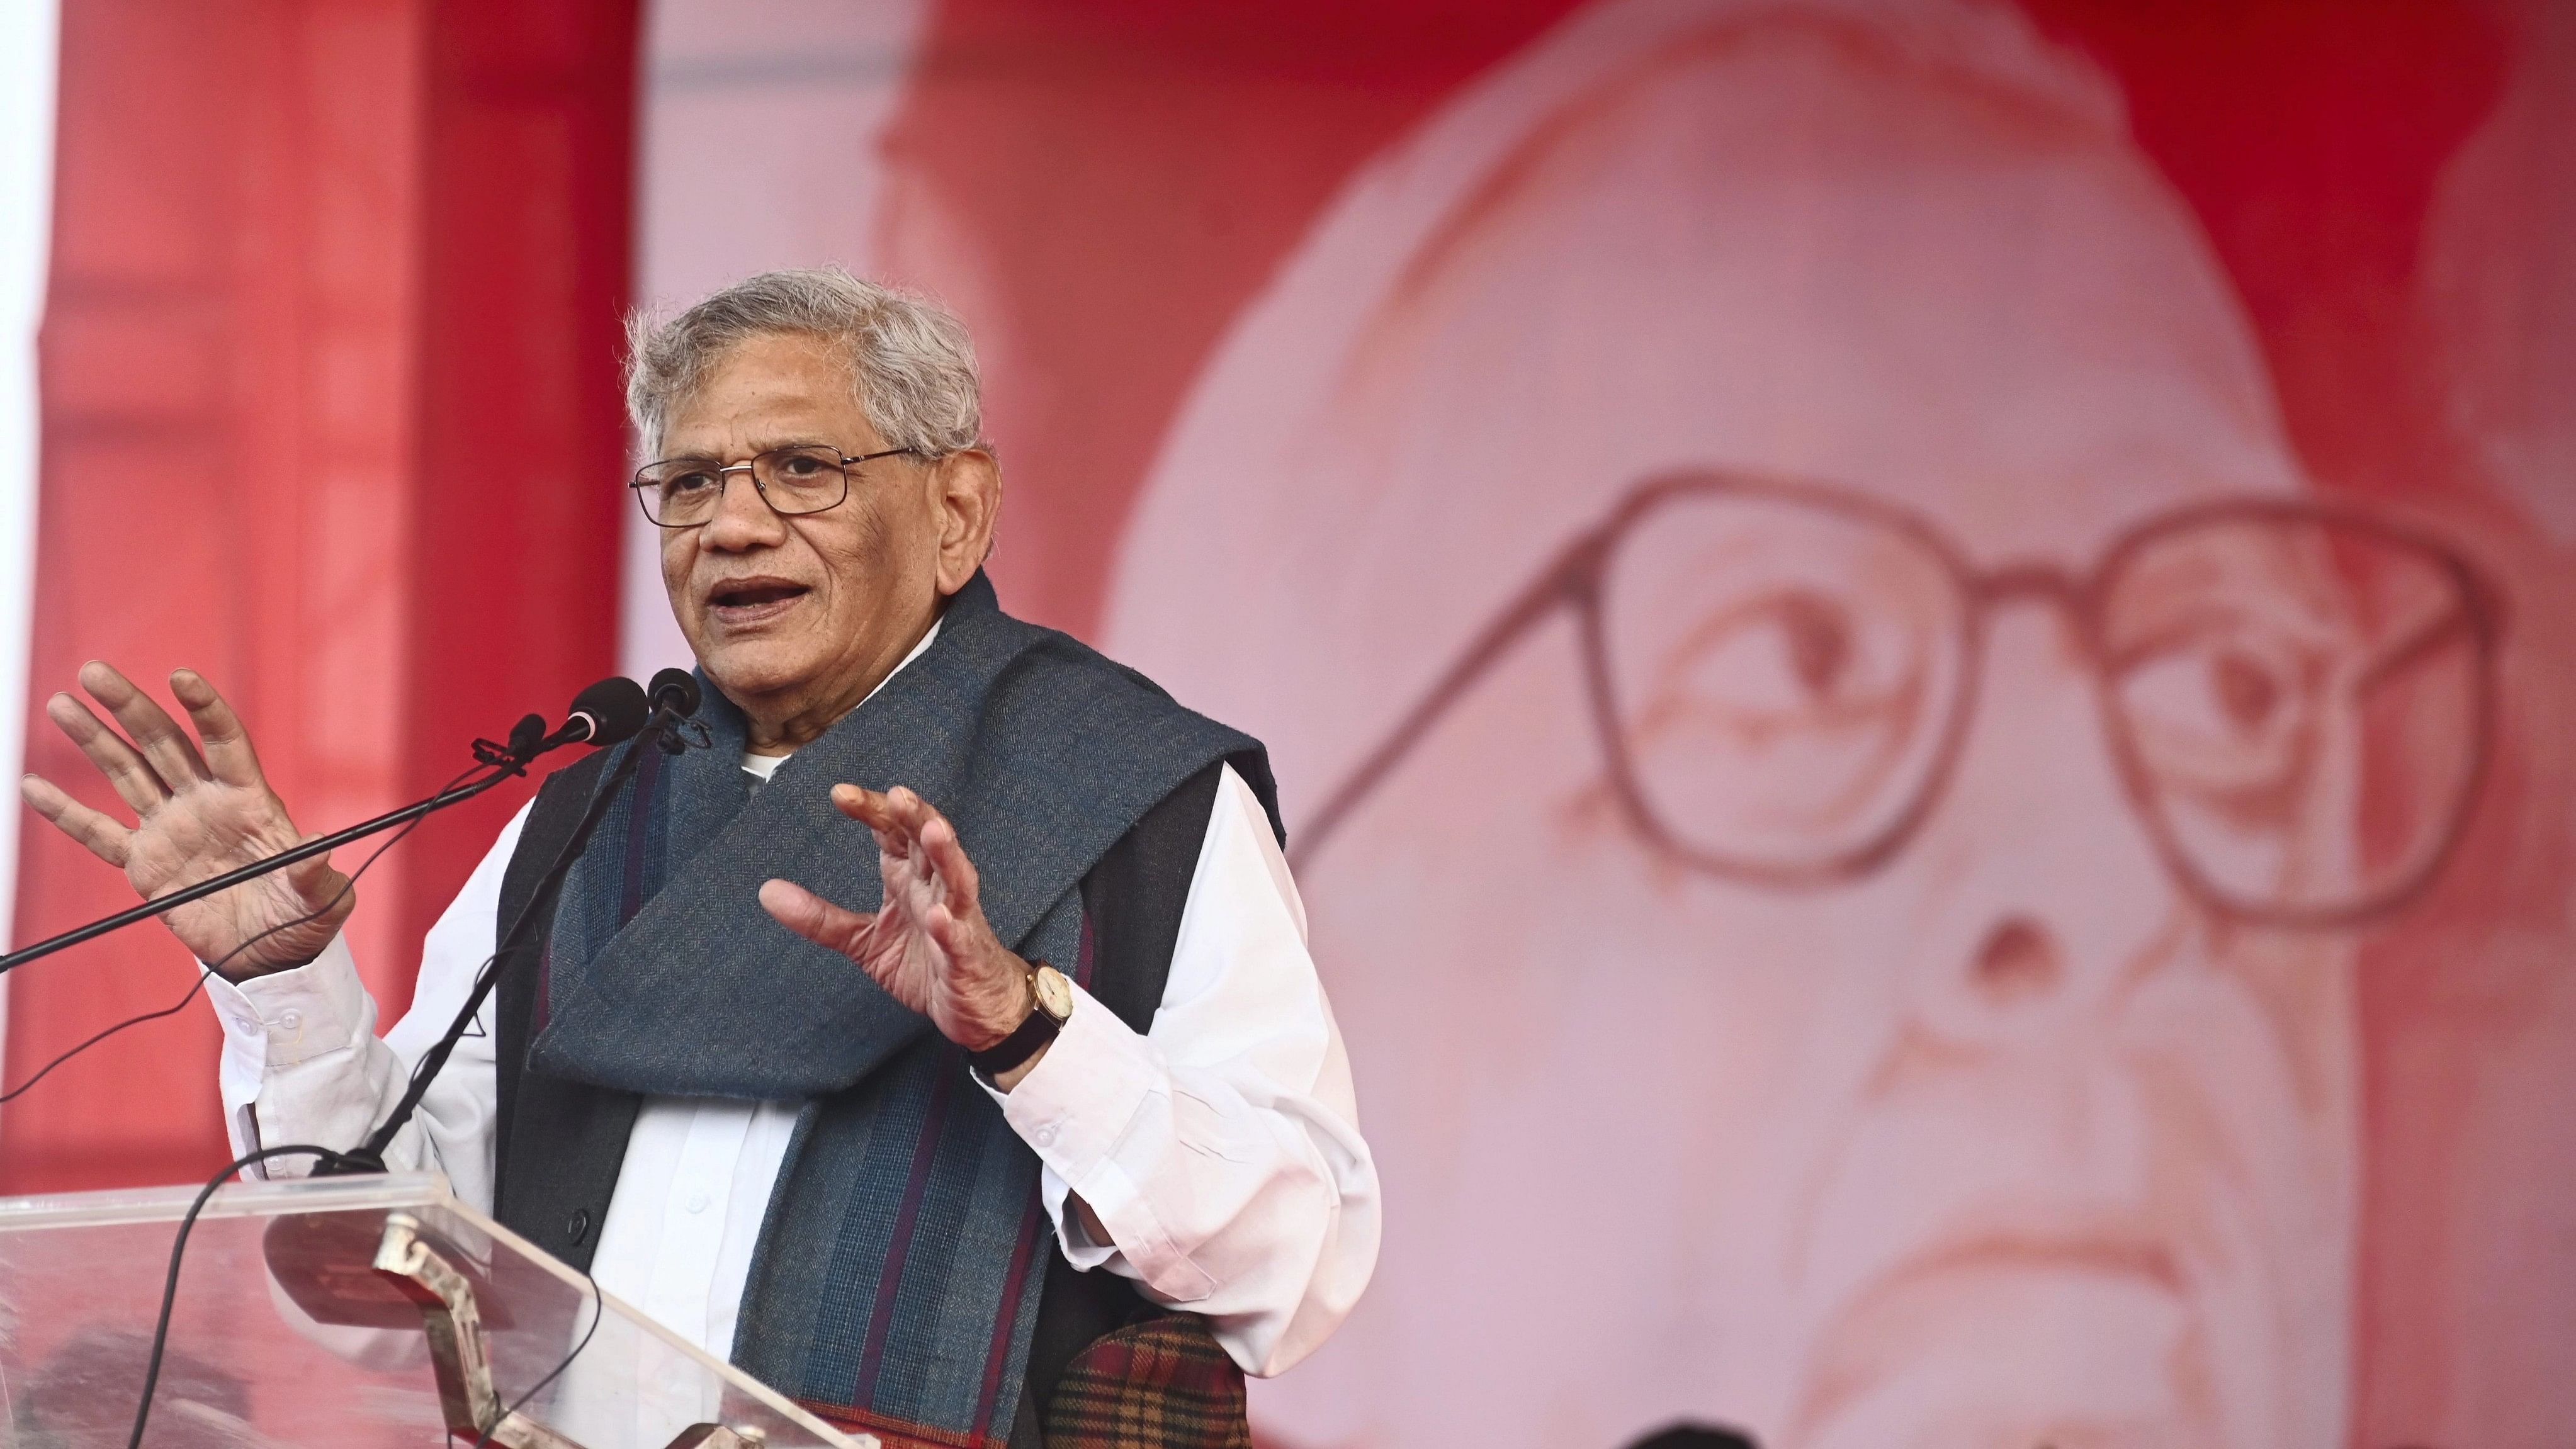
[677, 734]
[675, 725]
[527, 741]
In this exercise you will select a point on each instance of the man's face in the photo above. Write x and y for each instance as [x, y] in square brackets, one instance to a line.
[2006, 1142]
[779, 608]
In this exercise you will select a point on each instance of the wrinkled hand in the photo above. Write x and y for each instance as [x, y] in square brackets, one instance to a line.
[199, 814]
[929, 946]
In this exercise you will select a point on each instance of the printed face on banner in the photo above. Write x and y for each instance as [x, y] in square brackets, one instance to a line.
[1859, 944]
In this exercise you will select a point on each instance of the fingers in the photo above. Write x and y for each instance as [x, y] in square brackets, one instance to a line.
[948, 861]
[894, 815]
[816, 919]
[955, 935]
[147, 724]
[126, 770]
[97, 833]
[228, 751]
[902, 821]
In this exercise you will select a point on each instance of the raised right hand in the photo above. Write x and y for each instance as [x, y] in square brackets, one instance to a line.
[200, 813]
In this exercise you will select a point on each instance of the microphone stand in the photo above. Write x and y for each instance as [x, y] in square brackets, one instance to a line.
[507, 762]
[661, 731]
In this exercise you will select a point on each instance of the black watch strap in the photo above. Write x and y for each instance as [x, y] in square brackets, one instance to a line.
[1018, 1047]
[1034, 1033]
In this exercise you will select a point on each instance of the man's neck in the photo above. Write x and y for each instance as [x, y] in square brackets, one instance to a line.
[784, 736]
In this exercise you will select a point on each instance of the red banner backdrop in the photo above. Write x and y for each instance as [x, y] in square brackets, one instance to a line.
[1317, 335]
[330, 414]
[1917, 648]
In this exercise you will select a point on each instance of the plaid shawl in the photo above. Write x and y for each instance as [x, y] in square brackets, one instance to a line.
[1160, 1384]
[900, 1266]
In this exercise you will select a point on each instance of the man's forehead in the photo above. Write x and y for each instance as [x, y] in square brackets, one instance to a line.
[767, 392]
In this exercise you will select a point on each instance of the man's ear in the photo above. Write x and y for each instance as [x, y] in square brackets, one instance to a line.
[968, 488]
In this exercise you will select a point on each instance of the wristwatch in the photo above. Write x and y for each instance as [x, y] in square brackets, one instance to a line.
[1051, 1005]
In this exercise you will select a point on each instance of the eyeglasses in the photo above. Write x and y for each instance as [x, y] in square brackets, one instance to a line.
[2298, 698]
[802, 478]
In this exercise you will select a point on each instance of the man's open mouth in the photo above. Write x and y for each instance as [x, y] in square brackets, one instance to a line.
[754, 594]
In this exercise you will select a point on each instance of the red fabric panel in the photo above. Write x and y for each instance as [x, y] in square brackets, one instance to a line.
[307, 253]
[525, 200]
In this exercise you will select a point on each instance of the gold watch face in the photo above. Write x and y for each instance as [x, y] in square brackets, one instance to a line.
[1054, 993]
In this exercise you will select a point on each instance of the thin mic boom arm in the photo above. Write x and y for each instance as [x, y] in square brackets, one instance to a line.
[658, 733]
[320, 845]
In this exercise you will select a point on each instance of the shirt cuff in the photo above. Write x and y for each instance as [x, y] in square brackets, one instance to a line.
[286, 1018]
[1075, 1109]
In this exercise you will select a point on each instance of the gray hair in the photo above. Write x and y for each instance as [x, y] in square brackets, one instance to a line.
[910, 360]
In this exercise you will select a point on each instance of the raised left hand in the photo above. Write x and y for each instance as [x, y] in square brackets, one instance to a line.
[929, 946]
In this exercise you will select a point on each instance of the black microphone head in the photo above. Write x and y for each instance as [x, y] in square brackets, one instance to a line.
[527, 737]
[676, 688]
[615, 708]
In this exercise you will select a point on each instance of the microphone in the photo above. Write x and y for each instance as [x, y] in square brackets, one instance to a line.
[614, 709]
[675, 698]
[675, 690]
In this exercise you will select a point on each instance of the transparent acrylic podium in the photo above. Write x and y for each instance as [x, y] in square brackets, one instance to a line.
[342, 1312]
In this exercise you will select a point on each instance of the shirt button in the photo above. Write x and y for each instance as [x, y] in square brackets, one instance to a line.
[291, 1021]
[697, 1202]
[1046, 1135]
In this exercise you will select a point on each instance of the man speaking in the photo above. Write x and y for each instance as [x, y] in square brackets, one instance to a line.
[939, 1043]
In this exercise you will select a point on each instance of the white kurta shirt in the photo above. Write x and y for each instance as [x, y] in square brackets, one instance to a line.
[1220, 1149]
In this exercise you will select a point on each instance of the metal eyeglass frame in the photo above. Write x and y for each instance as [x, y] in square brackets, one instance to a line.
[1574, 579]
[843, 461]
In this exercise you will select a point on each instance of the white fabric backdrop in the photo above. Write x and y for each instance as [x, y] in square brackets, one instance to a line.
[26, 193]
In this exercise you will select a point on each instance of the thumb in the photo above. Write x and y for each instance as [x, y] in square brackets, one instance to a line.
[814, 918]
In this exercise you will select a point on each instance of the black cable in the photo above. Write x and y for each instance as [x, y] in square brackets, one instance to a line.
[204, 972]
[328, 1158]
[178, 1252]
[598, 1309]
[325, 1157]
[47, 1069]
[368, 1156]
[187, 1224]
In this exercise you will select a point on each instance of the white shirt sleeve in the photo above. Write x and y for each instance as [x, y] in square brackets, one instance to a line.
[302, 1062]
[1221, 1149]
